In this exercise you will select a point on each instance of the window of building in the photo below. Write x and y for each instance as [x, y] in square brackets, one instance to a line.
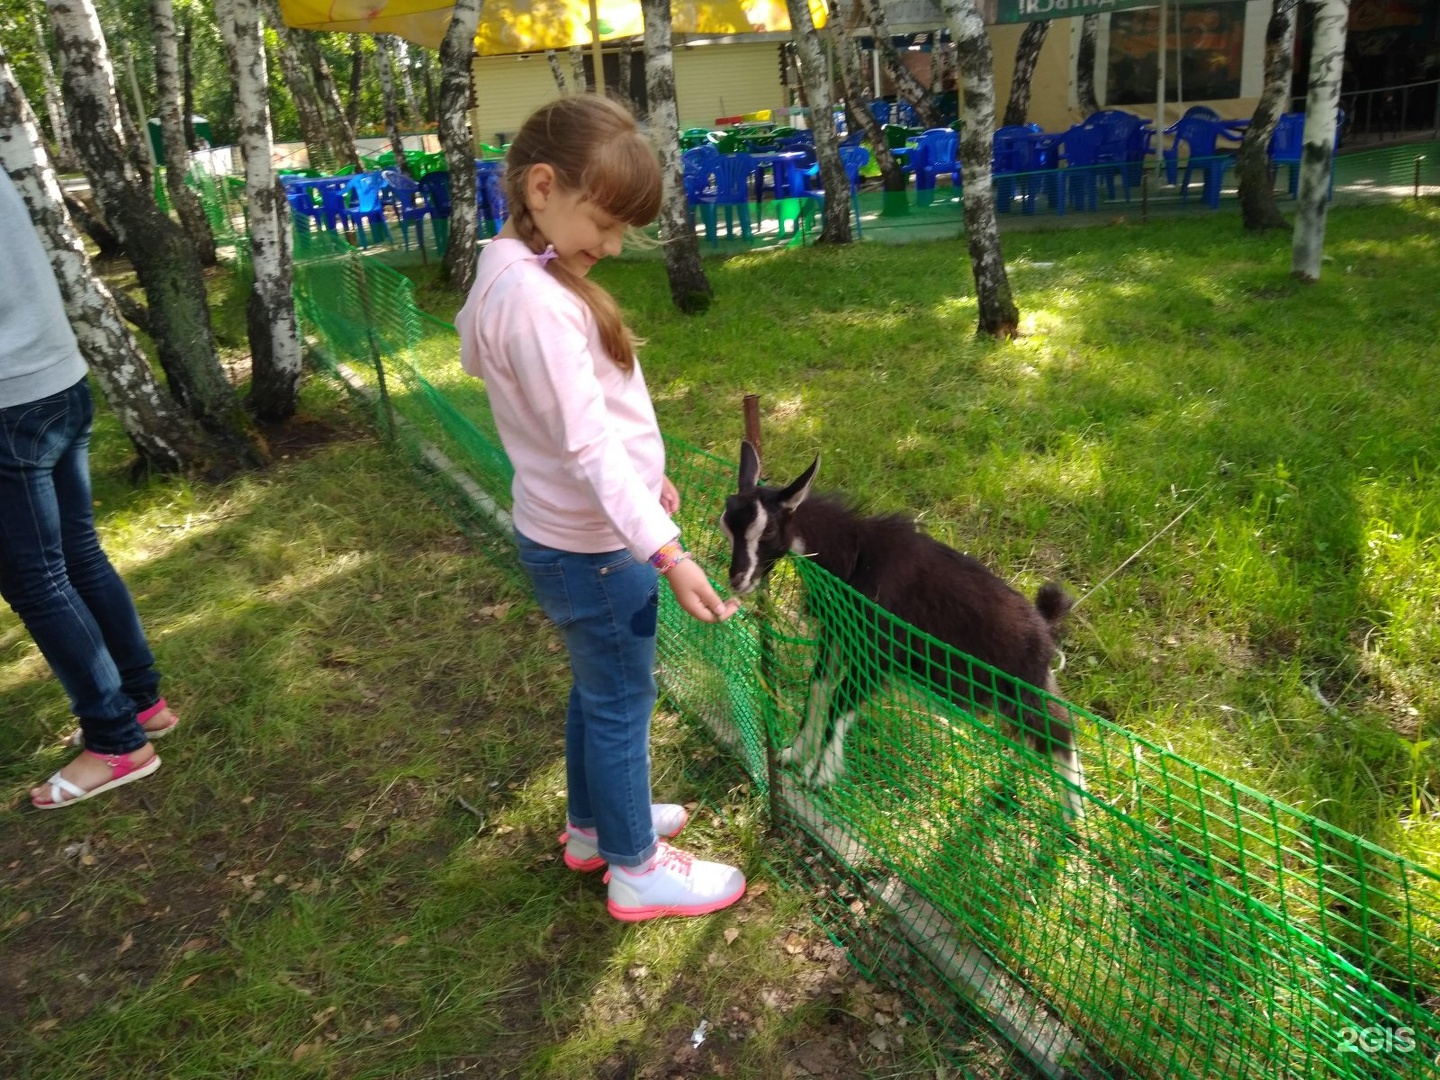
[1210, 39]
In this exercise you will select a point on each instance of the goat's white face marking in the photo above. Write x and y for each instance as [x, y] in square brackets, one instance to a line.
[750, 545]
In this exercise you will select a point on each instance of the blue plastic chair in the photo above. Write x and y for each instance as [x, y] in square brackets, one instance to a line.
[1024, 163]
[490, 194]
[1124, 141]
[436, 186]
[727, 185]
[1203, 155]
[935, 154]
[854, 158]
[365, 207]
[1096, 154]
[304, 210]
[407, 198]
[697, 175]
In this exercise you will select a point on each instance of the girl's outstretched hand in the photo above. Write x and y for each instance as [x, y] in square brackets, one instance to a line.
[669, 496]
[694, 593]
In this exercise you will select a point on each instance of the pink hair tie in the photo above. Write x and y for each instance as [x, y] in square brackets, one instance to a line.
[548, 254]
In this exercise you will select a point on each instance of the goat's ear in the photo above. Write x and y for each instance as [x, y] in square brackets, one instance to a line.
[799, 488]
[749, 468]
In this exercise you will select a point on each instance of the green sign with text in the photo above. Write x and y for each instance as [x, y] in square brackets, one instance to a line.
[1014, 11]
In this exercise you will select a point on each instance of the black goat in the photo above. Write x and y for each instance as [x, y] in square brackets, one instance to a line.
[922, 583]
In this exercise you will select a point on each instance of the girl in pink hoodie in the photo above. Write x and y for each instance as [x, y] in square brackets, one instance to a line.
[592, 503]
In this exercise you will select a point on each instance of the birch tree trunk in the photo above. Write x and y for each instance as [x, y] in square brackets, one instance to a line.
[296, 74]
[134, 131]
[187, 85]
[164, 257]
[998, 314]
[1027, 53]
[937, 68]
[357, 71]
[407, 83]
[1322, 102]
[340, 131]
[172, 133]
[1258, 210]
[164, 437]
[622, 83]
[810, 58]
[1085, 65]
[906, 84]
[689, 287]
[384, 61]
[274, 338]
[579, 83]
[458, 142]
[557, 71]
[54, 100]
[427, 82]
[852, 78]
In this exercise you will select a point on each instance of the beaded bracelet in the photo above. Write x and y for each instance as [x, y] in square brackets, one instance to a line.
[669, 556]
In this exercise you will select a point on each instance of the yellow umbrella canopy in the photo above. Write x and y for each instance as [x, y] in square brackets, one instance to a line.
[518, 26]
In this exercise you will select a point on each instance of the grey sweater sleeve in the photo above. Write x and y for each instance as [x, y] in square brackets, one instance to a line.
[38, 352]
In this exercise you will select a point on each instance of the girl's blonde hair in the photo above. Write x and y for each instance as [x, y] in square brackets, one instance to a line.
[596, 148]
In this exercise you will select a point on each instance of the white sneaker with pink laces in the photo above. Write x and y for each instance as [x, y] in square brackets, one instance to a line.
[675, 883]
[582, 853]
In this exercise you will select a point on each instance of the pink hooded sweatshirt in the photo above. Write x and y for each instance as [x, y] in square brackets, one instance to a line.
[580, 433]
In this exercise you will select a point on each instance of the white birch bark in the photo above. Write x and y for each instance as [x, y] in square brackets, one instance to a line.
[407, 83]
[54, 100]
[579, 83]
[385, 62]
[1322, 103]
[907, 85]
[811, 57]
[1085, 65]
[274, 338]
[622, 84]
[296, 74]
[172, 132]
[1027, 54]
[689, 287]
[164, 257]
[162, 434]
[998, 315]
[458, 142]
[339, 130]
[557, 71]
[1258, 210]
[852, 80]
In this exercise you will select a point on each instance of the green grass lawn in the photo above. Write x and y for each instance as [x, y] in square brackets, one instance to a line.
[301, 890]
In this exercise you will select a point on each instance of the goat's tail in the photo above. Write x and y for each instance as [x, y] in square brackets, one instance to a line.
[1053, 603]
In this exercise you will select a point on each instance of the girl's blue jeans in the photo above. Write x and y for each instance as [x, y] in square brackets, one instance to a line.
[55, 576]
[605, 607]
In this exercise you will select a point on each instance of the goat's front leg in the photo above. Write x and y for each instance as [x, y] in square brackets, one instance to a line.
[823, 679]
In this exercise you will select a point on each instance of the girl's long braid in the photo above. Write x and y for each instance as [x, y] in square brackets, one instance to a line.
[617, 339]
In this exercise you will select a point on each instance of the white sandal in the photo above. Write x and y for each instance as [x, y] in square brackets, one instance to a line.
[67, 793]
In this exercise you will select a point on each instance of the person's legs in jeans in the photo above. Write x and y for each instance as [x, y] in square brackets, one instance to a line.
[42, 446]
[605, 608]
[95, 579]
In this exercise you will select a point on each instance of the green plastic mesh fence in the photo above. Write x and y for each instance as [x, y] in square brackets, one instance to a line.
[1188, 927]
